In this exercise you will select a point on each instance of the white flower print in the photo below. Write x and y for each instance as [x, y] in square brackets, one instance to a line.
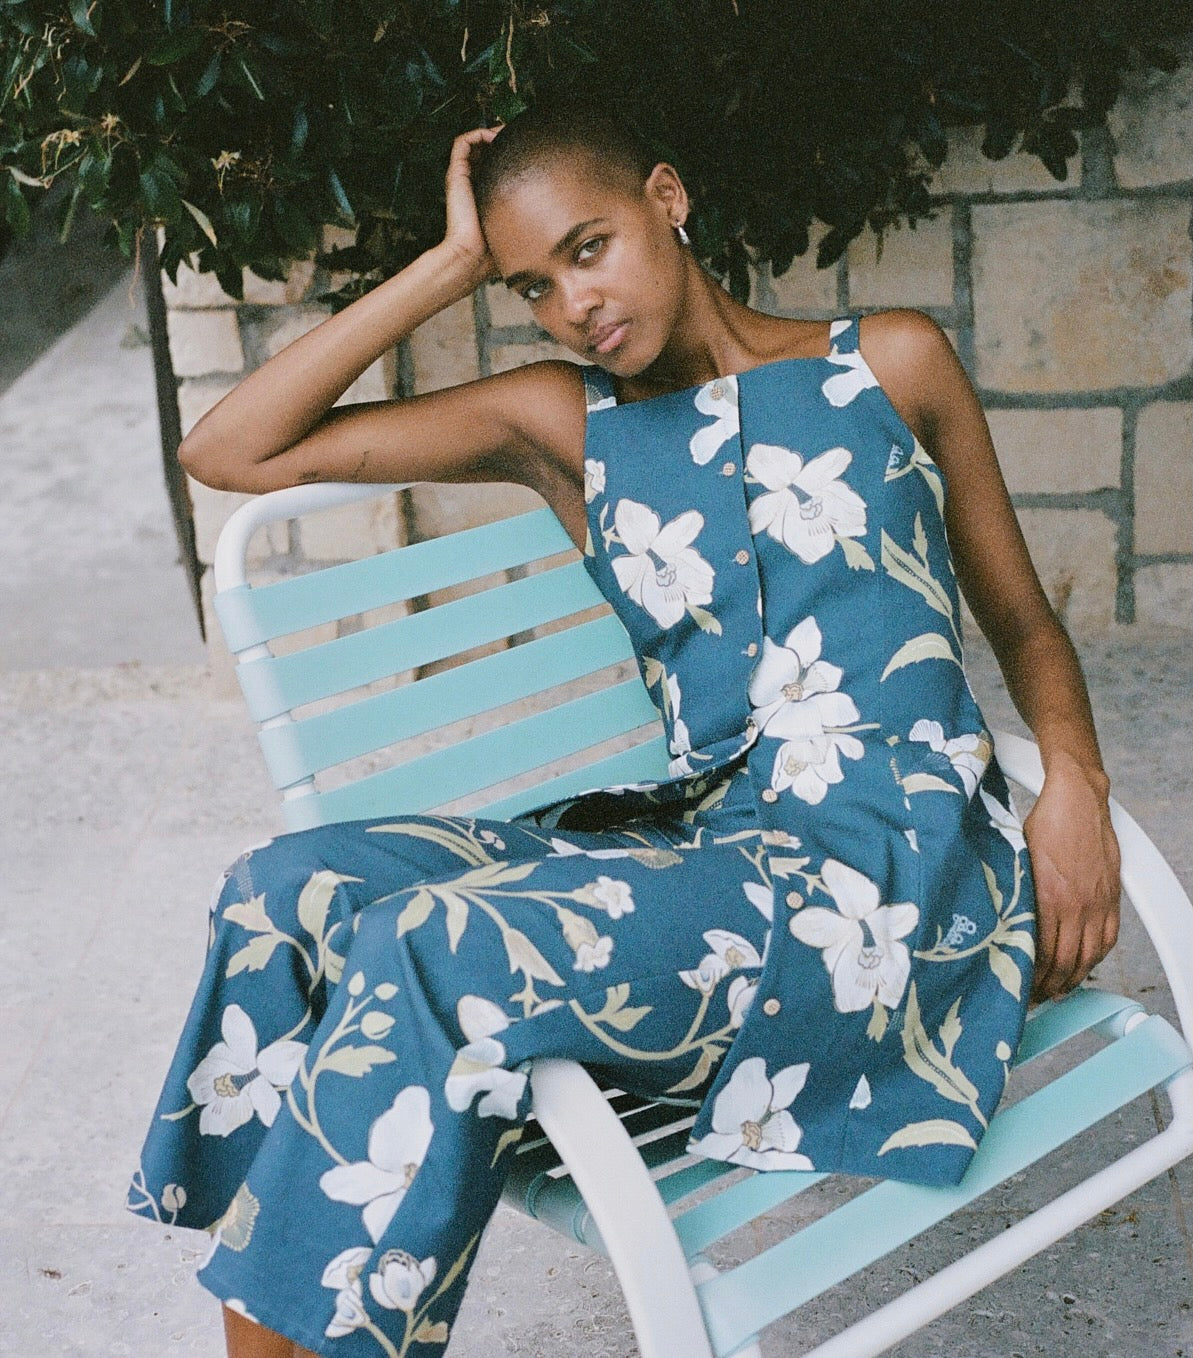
[968, 753]
[717, 398]
[478, 1067]
[751, 1124]
[400, 1279]
[842, 387]
[1005, 820]
[235, 1080]
[794, 697]
[580, 934]
[343, 1274]
[762, 898]
[662, 572]
[730, 952]
[681, 741]
[614, 896]
[594, 479]
[793, 692]
[807, 767]
[806, 506]
[739, 997]
[591, 956]
[860, 945]
[398, 1142]
[561, 848]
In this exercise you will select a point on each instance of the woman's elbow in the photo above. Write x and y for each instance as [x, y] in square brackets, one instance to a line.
[197, 459]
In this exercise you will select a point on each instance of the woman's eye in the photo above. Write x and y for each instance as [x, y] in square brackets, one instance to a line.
[590, 247]
[534, 292]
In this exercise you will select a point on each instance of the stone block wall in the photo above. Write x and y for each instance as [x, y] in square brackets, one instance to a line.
[1070, 304]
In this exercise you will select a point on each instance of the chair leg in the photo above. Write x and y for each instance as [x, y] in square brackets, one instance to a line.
[625, 1204]
[702, 1269]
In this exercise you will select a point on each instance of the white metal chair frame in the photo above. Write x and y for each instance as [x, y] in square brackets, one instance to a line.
[670, 1300]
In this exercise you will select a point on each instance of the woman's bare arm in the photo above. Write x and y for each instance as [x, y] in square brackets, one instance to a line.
[1074, 852]
[278, 428]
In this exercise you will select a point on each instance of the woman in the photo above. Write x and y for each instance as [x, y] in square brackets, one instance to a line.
[830, 882]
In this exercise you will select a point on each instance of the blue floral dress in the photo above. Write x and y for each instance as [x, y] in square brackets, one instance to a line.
[819, 927]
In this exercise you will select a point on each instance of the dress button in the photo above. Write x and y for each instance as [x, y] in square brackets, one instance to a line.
[717, 391]
[771, 1007]
[769, 794]
[752, 649]
[741, 557]
[729, 468]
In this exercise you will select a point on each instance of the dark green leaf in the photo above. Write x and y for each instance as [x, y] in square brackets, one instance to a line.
[79, 13]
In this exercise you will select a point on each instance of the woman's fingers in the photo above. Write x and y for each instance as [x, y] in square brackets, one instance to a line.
[1071, 941]
[463, 223]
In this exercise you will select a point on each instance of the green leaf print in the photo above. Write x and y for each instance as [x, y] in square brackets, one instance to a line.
[936, 1065]
[431, 1334]
[915, 573]
[416, 912]
[922, 463]
[510, 1137]
[250, 915]
[454, 841]
[927, 646]
[933, 1132]
[856, 556]
[927, 782]
[707, 1059]
[704, 620]
[315, 898]
[616, 1014]
[255, 955]
[357, 1061]
[1008, 973]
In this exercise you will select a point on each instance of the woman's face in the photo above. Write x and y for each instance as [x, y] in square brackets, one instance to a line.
[601, 269]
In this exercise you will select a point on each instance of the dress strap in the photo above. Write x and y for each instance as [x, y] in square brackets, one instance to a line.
[843, 335]
[598, 387]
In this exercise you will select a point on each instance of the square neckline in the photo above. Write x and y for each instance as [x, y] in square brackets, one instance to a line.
[856, 318]
[724, 377]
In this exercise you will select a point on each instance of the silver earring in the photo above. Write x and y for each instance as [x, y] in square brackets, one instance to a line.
[684, 238]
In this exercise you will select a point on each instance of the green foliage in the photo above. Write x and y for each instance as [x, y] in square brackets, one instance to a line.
[243, 127]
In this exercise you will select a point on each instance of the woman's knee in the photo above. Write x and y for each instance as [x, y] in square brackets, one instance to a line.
[295, 884]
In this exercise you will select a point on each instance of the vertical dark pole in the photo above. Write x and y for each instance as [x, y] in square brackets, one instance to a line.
[168, 418]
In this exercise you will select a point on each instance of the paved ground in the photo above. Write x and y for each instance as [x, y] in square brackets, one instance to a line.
[89, 570]
[130, 783]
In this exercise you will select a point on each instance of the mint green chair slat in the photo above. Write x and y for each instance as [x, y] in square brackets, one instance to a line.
[300, 748]
[1055, 1022]
[642, 763]
[1047, 1027]
[249, 617]
[488, 759]
[689, 1179]
[277, 684]
[771, 1284]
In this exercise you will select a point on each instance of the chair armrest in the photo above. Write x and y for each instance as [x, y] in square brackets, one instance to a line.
[278, 505]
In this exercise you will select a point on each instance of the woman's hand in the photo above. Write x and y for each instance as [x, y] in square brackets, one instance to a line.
[463, 235]
[1075, 866]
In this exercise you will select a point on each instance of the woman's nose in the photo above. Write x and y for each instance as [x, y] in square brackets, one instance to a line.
[580, 299]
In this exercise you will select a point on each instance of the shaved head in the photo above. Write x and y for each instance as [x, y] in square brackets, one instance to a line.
[562, 131]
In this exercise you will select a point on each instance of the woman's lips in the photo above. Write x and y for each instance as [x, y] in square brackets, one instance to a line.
[609, 338]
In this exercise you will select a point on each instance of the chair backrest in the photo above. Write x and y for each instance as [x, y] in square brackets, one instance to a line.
[498, 729]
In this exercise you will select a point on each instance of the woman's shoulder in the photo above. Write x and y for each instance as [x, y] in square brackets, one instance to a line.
[915, 363]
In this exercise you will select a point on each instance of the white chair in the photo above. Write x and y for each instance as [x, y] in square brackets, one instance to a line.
[610, 1171]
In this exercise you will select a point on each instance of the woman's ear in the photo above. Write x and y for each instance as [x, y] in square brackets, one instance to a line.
[665, 189]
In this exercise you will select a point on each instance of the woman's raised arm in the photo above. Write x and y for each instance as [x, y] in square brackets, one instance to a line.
[277, 427]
